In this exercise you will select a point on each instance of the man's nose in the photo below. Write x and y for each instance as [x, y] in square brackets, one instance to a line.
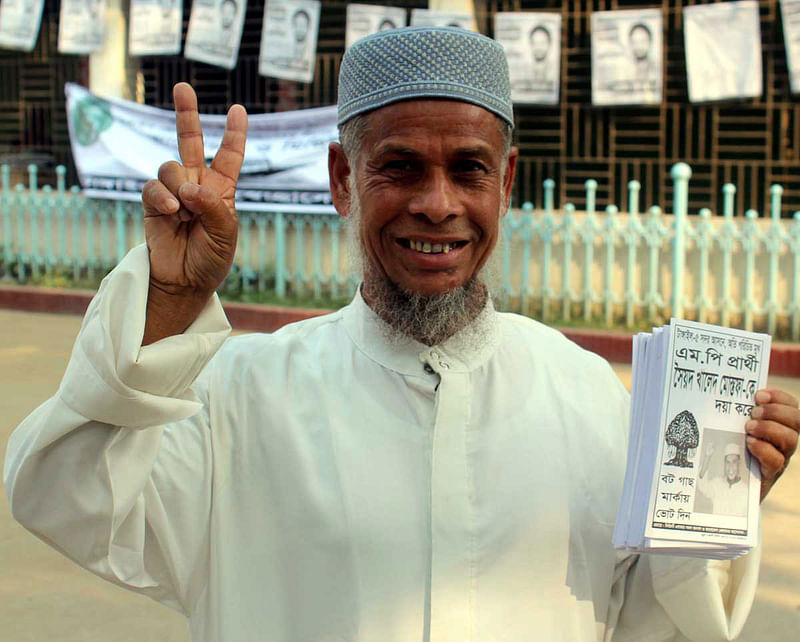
[436, 198]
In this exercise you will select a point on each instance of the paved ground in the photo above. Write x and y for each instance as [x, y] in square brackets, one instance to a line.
[46, 598]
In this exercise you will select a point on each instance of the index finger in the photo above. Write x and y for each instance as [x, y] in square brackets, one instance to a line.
[230, 155]
[187, 122]
[775, 395]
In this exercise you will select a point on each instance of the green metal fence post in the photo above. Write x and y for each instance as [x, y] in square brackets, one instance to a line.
[726, 238]
[119, 219]
[526, 234]
[61, 214]
[588, 235]
[794, 307]
[681, 173]
[47, 209]
[19, 202]
[774, 242]
[6, 198]
[336, 279]
[567, 235]
[750, 242]
[76, 235]
[610, 237]
[547, 233]
[633, 233]
[654, 234]
[703, 243]
[261, 225]
[280, 255]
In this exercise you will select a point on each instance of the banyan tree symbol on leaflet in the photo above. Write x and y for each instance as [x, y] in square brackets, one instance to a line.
[682, 436]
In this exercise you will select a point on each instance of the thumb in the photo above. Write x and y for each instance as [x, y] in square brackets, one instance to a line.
[215, 216]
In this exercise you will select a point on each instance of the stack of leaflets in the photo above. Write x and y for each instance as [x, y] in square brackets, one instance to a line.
[691, 486]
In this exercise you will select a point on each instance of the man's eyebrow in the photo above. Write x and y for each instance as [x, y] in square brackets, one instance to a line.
[396, 150]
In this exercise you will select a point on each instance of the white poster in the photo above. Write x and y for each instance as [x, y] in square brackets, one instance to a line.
[19, 23]
[533, 49]
[723, 50]
[790, 14]
[81, 26]
[289, 39]
[364, 19]
[215, 31]
[627, 49]
[118, 145]
[155, 27]
[428, 18]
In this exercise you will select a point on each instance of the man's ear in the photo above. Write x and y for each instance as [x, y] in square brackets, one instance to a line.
[339, 174]
[508, 178]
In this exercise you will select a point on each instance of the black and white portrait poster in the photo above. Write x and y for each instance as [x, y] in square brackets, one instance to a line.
[155, 27]
[627, 57]
[723, 50]
[19, 23]
[430, 18]
[364, 19]
[215, 31]
[533, 49]
[289, 39]
[81, 26]
[790, 15]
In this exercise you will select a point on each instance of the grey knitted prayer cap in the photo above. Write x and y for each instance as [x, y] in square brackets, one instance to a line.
[424, 62]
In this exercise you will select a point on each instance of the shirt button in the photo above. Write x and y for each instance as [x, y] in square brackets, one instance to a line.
[444, 365]
[435, 355]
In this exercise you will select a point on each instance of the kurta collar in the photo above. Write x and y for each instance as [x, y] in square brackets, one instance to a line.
[458, 354]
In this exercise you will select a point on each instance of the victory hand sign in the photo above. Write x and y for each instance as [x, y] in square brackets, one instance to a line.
[190, 221]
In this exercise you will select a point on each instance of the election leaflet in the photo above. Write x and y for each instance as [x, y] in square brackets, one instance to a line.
[691, 486]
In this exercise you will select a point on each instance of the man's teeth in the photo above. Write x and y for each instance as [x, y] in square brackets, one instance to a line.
[427, 248]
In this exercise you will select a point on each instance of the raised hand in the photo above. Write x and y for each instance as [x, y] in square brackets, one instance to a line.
[189, 218]
[773, 434]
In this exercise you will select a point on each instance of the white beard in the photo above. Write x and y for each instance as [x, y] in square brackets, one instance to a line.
[409, 315]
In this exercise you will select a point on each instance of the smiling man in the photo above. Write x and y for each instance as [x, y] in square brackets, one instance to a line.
[414, 467]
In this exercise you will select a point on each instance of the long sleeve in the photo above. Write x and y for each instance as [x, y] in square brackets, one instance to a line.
[675, 599]
[115, 469]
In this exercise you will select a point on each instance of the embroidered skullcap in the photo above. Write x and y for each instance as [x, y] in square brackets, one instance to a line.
[424, 62]
[733, 449]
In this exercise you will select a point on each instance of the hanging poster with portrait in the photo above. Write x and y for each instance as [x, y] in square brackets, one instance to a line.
[790, 16]
[430, 18]
[627, 50]
[155, 27]
[81, 26]
[215, 32]
[723, 50]
[532, 42]
[289, 39]
[365, 19]
[19, 23]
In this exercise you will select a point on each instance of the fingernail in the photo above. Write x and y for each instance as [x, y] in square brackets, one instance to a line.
[189, 190]
[756, 412]
[762, 396]
[750, 426]
[171, 204]
[750, 440]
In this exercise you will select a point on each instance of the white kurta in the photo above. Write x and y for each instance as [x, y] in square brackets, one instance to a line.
[321, 484]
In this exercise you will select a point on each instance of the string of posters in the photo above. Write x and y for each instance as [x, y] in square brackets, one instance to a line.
[722, 42]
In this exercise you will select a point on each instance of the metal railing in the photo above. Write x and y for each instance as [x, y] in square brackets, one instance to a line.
[619, 267]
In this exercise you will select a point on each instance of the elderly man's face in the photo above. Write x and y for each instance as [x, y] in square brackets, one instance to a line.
[431, 183]
[640, 43]
[732, 467]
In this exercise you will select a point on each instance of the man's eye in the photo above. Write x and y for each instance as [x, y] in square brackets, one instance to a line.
[400, 166]
[468, 166]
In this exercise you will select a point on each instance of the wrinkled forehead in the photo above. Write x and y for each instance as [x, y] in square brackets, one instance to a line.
[424, 62]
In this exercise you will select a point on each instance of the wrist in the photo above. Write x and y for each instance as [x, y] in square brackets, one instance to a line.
[171, 309]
